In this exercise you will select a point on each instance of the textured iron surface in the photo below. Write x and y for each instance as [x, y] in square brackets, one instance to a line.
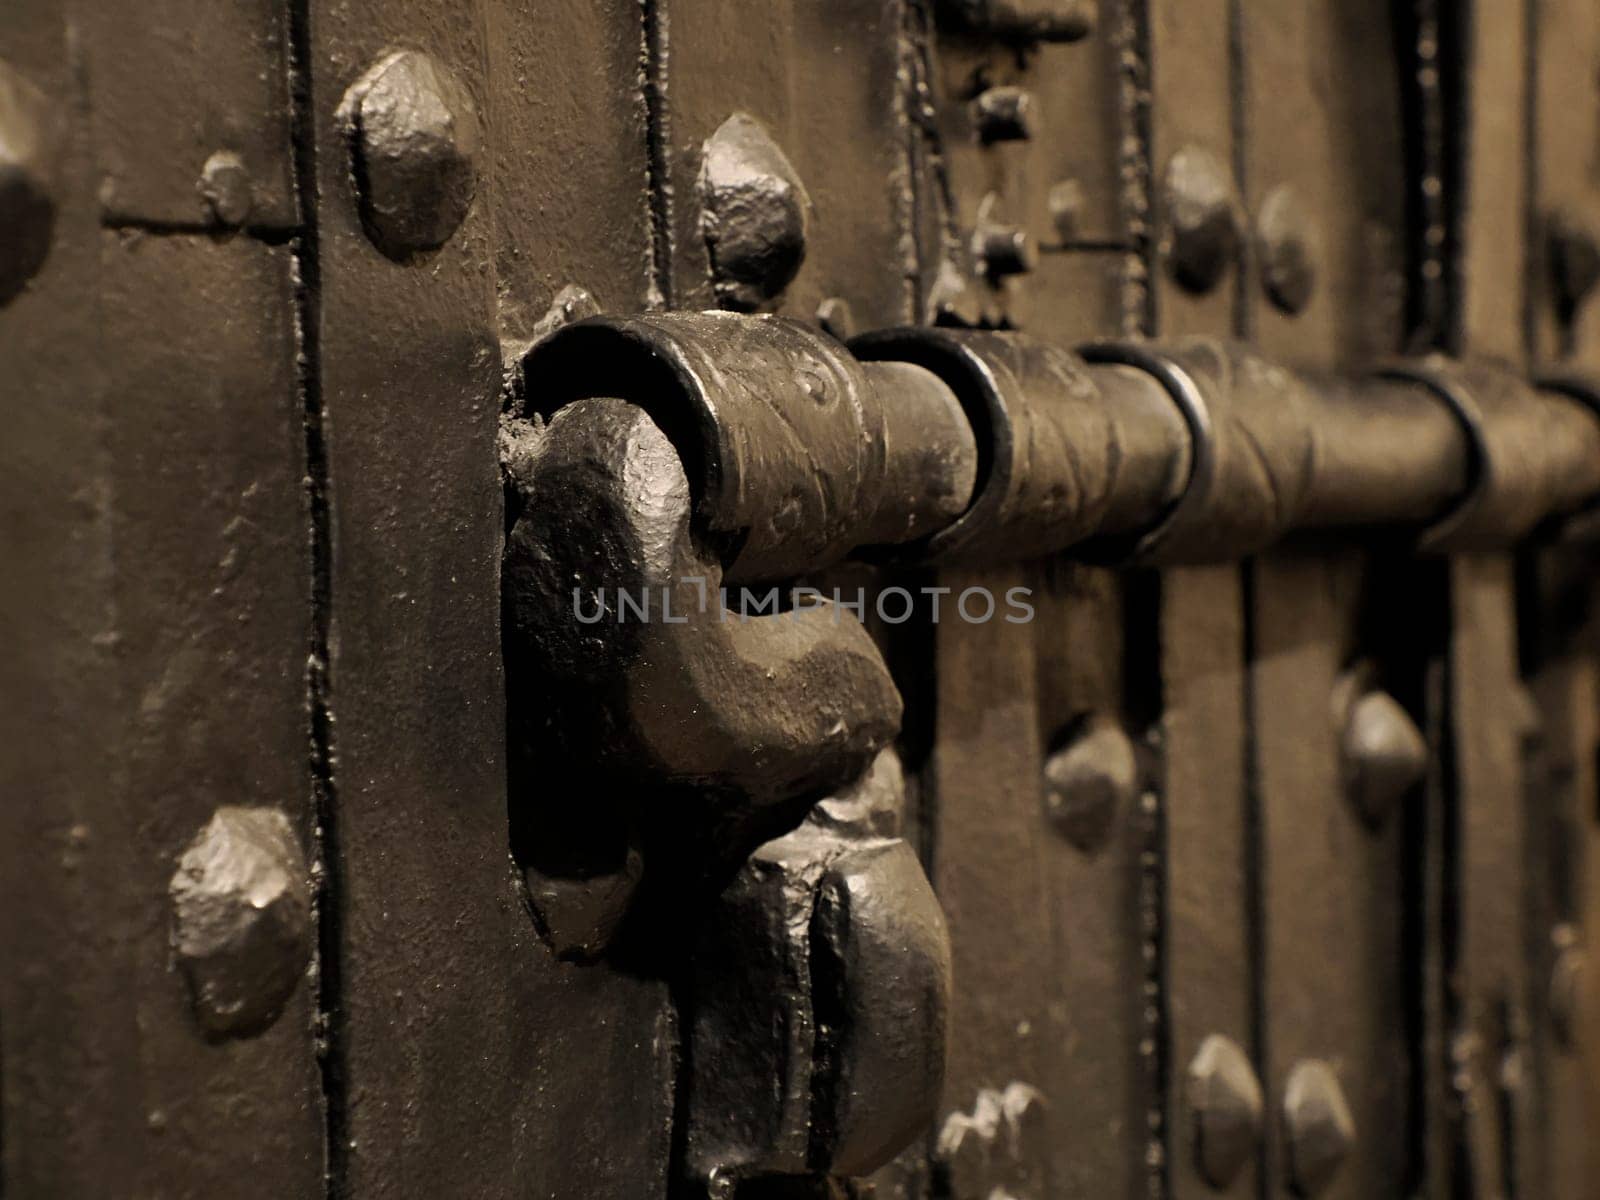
[340, 857]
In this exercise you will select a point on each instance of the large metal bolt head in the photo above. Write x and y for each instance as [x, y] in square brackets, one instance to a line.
[1087, 782]
[415, 135]
[1289, 250]
[1383, 754]
[1225, 1098]
[1319, 1128]
[241, 905]
[1202, 219]
[27, 181]
[754, 215]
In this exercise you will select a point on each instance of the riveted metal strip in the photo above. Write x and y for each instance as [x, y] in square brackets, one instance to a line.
[192, 130]
[455, 1038]
[1200, 878]
[1338, 762]
[157, 597]
[1337, 757]
[992, 870]
[1094, 777]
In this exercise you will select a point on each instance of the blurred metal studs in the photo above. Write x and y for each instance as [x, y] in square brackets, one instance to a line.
[1318, 1124]
[1225, 1098]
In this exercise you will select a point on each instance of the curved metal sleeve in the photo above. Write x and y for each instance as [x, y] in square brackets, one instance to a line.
[1532, 454]
[796, 453]
[1058, 460]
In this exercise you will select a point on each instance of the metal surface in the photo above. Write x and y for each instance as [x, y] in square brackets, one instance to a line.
[361, 838]
[825, 966]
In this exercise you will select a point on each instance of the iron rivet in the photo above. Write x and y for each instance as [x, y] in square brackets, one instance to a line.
[1383, 754]
[1066, 201]
[28, 145]
[1574, 261]
[836, 319]
[1288, 250]
[1320, 1129]
[415, 135]
[1225, 1098]
[754, 215]
[241, 906]
[1202, 219]
[1003, 114]
[225, 184]
[1566, 987]
[1089, 781]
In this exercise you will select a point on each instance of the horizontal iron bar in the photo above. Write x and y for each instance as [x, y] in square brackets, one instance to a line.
[945, 445]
